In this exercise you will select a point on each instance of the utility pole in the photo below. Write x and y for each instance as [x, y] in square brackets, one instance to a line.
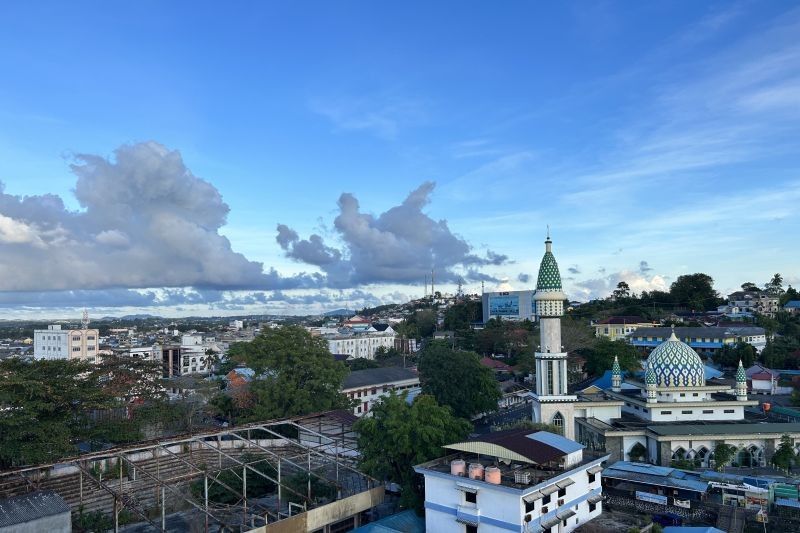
[433, 292]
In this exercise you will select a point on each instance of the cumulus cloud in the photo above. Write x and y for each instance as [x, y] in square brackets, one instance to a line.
[145, 221]
[401, 245]
[601, 287]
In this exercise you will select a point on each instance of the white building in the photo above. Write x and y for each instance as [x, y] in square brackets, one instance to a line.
[146, 353]
[514, 480]
[57, 343]
[363, 344]
[193, 354]
[368, 386]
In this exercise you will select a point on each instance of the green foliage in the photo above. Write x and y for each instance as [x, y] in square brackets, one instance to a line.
[779, 352]
[458, 380]
[460, 316]
[93, 522]
[601, 357]
[731, 354]
[360, 363]
[420, 325]
[695, 291]
[723, 455]
[301, 375]
[775, 285]
[320, 488]
[398, 436]
[784, 456]
[257, 485]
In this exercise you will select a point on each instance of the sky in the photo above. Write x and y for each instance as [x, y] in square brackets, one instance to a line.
[193, 158]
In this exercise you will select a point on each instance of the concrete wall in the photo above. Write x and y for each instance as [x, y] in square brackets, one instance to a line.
[60, 523]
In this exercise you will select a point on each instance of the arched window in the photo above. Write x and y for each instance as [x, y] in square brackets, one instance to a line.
[558, 421]
[679, 454]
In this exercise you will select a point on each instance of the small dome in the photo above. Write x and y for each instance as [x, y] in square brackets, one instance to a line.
[650, 377]
[676, 364]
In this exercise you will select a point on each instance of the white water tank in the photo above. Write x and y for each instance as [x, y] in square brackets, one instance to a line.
[458, 467]
[475, 471]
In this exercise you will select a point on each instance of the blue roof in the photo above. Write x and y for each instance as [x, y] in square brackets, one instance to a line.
[786, 502]
[556, 441]
[656, 475]
[721, 477]
[405, 522]
[792, 304]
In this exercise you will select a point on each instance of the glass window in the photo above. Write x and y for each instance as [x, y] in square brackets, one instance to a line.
[471, 497]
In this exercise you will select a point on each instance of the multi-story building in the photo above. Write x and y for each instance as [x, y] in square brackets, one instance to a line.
[705, 341]
[171, 361]
[57, 343]
[360, 344]
[515, 480]
[619, 327]
[368, 386]
[147, 353]
[754, 302]
[194, 359]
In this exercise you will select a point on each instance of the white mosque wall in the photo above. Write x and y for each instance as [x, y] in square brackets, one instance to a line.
[687, 396]
[602, 413]
[629, 442]
[675, 412]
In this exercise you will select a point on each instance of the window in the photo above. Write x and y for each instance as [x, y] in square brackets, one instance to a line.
[729, 411]
[708, 411]
[549, 377]
[666, 412]
[558, 420]
[471, 497]
[75, 338]
[545, 501]
[683, 394]
[686, 412]
[562, 493]
[76, 348]
[374, 391]
[694, 394]
[90, 338]
[592, 507]
[470, 529]
[592, 478]
[530, 506]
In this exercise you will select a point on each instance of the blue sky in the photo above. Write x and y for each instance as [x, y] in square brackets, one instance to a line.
[655, 138]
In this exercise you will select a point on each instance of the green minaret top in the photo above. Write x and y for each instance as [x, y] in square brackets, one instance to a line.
[650, 377]
[615, 369]
[741, 377]
[549, 276]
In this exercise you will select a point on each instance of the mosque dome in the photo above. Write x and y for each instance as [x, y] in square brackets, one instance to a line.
[676, 364]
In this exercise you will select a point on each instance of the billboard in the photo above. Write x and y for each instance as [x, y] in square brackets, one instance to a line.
[504, 305]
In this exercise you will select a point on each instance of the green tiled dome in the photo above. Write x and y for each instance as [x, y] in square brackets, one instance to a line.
[549, 277]
[740, 374]
[675, 364]
[615, 369]
[650, 377]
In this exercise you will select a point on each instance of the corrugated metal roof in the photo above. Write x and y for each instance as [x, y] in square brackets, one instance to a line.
[27, 507]
[377, 376]
[519, 445]
[726, 429]
[655, 475]
[556, 441]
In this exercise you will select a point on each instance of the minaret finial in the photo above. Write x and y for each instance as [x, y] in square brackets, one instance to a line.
[548, 232]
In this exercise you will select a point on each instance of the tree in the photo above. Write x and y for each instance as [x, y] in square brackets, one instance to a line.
[784, 456]
[361, 363]
[458, 380]
[695, 291]
[398, 436]
[723, 454]
[790, 294]
[622, 291]
[297, 374]
[601, 357]
[775, 285]
[749, 286]
[731, 354]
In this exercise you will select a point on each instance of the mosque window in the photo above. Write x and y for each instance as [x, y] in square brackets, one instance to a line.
[686, 412]
[729, 411]
[666, 412]
[708, 411]
[558, 420]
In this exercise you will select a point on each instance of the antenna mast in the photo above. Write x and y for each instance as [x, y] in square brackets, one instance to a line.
[85, 320]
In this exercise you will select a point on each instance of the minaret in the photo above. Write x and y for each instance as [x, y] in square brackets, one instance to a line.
[552, 403]
[616, 376]
[741, 383]
[650, 383]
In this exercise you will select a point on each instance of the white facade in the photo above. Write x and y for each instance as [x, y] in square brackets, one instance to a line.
[562, 503]
[361, 345]
[367, 393]
[146, 353]
[56, 343]
[193, 354]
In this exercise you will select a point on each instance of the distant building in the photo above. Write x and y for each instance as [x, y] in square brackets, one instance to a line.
[792, 306]
[507, 304]
[358, 323]
[194, 359]
[363, 343]
[171, 361]
[367, 386]
[619, 327]
[706, 341]
[56, 343]
[515, 480]
[754, 302]
[147, 353]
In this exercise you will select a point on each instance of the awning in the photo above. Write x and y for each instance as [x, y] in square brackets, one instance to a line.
[549, 490]
[467, 488]
[468, 520]
[550, 522]
[569, 513]
[564, 483]
[532, 497]
[594, 498]
[595, 469]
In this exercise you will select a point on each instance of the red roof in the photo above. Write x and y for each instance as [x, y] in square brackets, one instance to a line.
[762, 375]
[494, 364]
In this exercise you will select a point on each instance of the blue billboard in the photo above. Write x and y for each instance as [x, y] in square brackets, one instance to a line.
[504, 305]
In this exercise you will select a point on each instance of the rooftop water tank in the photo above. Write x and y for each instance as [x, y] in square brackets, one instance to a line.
[458, 467]
[475, 471]
[493, 475]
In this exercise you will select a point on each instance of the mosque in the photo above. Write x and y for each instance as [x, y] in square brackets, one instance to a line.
[672, 413]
